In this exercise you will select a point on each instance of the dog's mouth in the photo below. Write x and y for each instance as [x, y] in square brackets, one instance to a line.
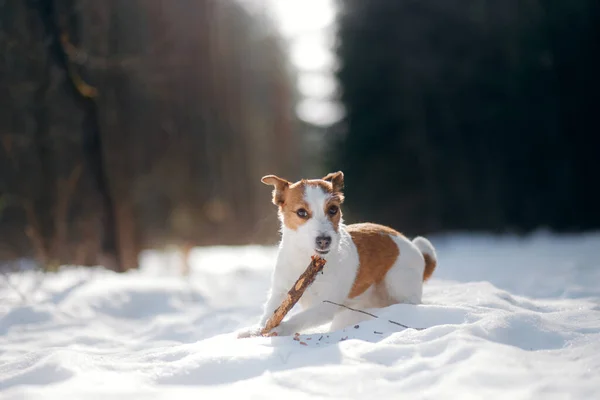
[322, 252]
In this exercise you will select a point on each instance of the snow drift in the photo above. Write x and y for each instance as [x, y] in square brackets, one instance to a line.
[505, 317]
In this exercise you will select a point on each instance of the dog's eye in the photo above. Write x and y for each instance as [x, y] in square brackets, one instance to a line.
[333, 210]
[302, 213]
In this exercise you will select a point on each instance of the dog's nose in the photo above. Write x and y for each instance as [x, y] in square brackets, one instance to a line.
[323, 242]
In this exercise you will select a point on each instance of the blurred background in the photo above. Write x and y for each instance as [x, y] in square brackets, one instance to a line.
[128, 125]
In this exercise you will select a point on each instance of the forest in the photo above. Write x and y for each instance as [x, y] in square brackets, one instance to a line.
[132, 124]
[471, 115]
[135, 124]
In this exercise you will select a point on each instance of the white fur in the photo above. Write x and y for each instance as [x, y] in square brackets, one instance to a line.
[303, 239]
[404, 281]
[425, 246]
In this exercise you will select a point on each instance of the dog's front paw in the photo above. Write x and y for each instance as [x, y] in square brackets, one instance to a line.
[253, 331]
[281, 330]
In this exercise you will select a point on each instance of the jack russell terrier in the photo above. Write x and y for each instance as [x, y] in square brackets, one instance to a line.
[368, 265]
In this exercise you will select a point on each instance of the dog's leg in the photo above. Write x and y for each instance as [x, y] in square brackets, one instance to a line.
[276, 296]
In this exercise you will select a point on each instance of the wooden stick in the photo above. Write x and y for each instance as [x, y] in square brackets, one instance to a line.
[304, 281]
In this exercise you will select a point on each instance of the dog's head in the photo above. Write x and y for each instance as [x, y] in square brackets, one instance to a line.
[310, 209]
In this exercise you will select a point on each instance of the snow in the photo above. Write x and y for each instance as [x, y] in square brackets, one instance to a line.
[505, 317]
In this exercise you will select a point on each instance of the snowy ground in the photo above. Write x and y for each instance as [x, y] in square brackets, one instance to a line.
[506, 318]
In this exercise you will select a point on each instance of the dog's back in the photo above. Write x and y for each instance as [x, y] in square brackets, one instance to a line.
[389, 263]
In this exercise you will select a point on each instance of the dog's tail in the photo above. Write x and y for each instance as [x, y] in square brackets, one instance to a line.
[428, 251]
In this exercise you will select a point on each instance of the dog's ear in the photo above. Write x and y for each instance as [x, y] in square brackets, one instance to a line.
[281, 187]
[336, 179]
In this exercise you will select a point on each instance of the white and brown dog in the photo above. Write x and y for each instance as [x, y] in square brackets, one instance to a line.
[368, 265]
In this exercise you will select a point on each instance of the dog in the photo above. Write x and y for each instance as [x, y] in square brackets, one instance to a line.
[368, 265]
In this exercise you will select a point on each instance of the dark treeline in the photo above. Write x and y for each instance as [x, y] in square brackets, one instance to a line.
[471, 115]
[129, 124]
[133, 124]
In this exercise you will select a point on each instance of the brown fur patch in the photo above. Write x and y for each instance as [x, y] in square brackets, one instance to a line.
[335, 219]
[280, 187]
[326, 186]
[336, 179]
[377, 253]
[293, 201]
[290, 198]
[430, 265]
